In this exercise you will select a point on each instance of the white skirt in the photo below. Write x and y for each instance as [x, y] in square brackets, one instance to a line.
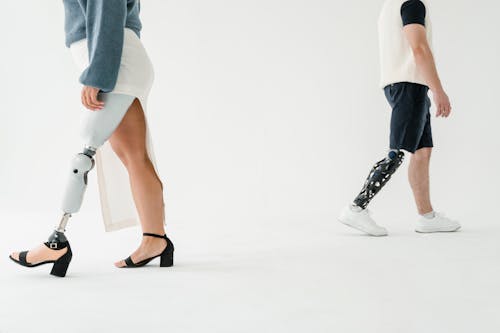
[135, 78]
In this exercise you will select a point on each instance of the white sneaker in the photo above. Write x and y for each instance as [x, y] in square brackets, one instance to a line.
[361, 221]
[439, 223]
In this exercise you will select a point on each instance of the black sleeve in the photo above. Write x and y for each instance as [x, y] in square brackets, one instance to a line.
[413, 11]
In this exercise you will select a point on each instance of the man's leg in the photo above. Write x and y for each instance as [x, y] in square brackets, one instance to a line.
[380, 174]
[356, 215]
[418, 176]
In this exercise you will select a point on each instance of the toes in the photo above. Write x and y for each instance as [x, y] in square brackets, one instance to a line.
[15, 255]
[120, 264]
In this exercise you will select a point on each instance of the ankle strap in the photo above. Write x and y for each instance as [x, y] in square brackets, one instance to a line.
[155, 235]
[56, 245]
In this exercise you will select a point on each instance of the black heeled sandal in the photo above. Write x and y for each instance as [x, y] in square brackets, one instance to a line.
[166, 257]
[60, 265]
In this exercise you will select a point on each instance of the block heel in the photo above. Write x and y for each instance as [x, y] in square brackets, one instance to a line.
[60, 266]
[166, 256]
[167, 259]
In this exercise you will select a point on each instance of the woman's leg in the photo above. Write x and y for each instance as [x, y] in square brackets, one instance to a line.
[129, 143]
[96, 128]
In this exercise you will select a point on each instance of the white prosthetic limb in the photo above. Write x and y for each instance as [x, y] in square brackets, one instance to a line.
[98, 126]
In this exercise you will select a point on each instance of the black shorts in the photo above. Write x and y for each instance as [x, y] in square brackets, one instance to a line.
[411, 118]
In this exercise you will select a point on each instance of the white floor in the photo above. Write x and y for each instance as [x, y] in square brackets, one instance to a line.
[297, 275]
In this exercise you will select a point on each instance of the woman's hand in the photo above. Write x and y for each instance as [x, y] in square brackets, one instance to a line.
[89, 98]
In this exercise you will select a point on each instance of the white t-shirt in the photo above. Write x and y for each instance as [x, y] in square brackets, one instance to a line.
[397, 62]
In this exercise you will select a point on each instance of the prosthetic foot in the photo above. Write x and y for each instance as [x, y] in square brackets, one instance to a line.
[97, 128]
[73, 197]
[61, 264]
[356, 215]
[361, 220]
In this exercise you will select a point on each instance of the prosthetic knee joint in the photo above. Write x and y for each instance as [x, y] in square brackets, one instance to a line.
[378, 177]
[97, 128]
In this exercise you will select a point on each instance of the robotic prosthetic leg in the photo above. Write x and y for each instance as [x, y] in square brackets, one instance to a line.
[378, 177]
[98, 126]
[73, 195]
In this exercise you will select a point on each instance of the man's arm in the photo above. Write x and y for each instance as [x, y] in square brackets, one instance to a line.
[413, 13]
[417, 37]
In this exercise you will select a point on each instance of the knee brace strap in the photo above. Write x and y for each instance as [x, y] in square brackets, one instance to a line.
[378, 177]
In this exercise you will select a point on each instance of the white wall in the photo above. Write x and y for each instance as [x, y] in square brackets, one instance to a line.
[261, 109]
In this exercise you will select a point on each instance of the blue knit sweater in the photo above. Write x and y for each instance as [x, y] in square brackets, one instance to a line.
[102, 22]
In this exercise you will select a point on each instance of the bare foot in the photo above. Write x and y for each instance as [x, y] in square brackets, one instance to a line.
[41, 253]
[150, 247]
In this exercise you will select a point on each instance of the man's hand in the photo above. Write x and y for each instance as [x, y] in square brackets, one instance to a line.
[442, 102]
[89, 98]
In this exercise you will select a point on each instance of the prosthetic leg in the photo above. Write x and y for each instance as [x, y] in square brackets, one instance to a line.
[378, 177]
[97, 128]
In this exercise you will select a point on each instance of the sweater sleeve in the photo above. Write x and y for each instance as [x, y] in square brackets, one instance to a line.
[105, 23]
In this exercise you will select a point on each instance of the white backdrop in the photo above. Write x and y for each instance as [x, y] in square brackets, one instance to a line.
[266, 117]
[259, 109]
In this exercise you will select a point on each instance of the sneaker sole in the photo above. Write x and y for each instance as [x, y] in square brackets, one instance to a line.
[355, 226]
[432, 230]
